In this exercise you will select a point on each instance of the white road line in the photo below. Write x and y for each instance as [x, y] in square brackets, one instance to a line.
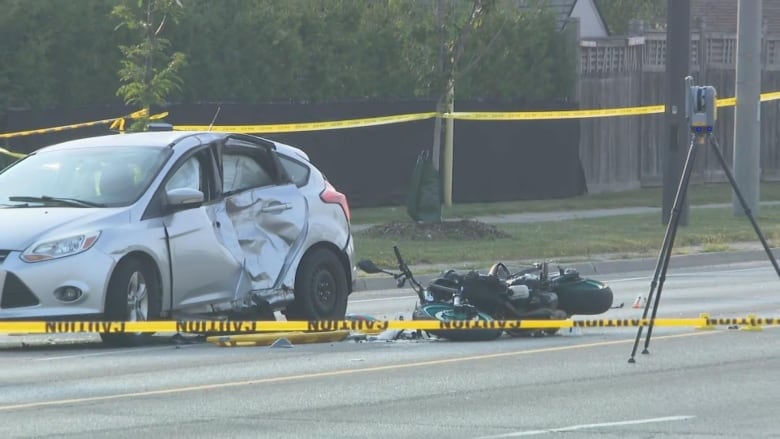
[709, 273]
[587, 426]
[113, 351]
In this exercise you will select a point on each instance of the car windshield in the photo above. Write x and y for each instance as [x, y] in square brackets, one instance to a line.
[85, 177]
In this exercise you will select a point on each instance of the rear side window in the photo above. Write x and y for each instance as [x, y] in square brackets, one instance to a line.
[243, 171]
[298, 172]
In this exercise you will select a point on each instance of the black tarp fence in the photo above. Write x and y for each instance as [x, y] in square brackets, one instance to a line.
[493, 160]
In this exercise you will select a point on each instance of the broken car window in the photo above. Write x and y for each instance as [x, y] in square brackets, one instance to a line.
[241, 172]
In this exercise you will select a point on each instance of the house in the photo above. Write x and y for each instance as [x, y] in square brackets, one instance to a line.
[592, 23]
[721, 16]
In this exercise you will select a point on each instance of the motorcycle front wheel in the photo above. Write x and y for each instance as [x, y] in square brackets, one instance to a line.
[555, 315]
[446, 312]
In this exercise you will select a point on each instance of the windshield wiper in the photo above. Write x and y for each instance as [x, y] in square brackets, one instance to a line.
[73, 202]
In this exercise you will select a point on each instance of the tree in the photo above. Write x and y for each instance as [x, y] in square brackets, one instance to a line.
[456, 33]
[252, 51]
[148, 74]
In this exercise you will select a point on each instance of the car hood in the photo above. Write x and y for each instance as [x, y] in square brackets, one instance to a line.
[21, 227]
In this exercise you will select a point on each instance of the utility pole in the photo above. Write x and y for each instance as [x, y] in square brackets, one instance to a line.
[747, 115]
[678, 55]
[436, 150]
[449, 130]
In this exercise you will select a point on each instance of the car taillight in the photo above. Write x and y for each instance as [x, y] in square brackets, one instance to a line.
[331, 195]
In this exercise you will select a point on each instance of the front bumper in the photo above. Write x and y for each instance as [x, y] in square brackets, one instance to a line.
[27, 289]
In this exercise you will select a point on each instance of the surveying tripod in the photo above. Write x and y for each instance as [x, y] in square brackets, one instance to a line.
[701, 113]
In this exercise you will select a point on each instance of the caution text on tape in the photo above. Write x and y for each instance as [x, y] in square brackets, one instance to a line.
[209, 326]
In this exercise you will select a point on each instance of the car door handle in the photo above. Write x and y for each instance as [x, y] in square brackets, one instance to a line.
[274, 208]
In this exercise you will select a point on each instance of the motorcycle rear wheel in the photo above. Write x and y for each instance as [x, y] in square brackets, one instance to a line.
[556, 315]
[446, 312]
[587, 297]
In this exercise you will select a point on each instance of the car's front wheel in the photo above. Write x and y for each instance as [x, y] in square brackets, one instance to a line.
[133, 295]
[320, 288]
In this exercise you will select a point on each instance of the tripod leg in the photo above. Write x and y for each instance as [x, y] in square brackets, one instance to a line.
[666, 251]
[744, 204]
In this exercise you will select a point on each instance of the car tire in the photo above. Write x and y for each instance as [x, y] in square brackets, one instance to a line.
[133, 295]
[320, 288]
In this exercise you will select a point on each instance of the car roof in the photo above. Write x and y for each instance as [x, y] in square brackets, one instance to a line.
[291, 151]
[151, 138]
[161, 139]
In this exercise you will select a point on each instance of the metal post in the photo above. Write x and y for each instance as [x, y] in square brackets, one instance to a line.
[449, 131]
[747, 116]
[678, 52]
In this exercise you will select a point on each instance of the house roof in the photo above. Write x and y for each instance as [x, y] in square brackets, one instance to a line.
[562, 9]
[721, 15]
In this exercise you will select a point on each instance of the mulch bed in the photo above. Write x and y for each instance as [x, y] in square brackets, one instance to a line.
[461, 229]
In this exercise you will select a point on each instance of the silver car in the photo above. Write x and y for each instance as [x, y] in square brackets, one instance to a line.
[172, 224]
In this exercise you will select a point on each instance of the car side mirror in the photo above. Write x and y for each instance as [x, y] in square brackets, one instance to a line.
[184, 198]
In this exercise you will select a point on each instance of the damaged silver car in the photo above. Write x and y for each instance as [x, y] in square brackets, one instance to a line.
[172, 224]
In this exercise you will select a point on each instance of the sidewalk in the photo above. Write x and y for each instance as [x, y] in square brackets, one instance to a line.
[541, 217]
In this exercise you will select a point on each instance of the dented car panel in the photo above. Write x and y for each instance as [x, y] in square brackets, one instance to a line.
[269, 224]
[235, 240]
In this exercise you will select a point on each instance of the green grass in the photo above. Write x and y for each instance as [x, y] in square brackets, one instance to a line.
[650, 197]
[712, 229]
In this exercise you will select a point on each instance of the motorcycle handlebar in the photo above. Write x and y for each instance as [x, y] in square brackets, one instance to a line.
[398, 256]
[406, 273]
[401, 263]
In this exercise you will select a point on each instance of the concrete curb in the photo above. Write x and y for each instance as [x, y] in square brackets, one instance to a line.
[594, 268]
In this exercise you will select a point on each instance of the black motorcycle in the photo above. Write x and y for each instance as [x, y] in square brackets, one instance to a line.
[531, 294]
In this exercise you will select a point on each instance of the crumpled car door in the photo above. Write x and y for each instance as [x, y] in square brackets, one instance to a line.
[269, 223]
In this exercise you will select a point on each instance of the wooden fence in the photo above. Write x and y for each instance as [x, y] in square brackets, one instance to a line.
[625, 152]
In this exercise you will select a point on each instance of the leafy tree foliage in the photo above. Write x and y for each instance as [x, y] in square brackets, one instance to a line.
[518, 55]
[148, 74]
[66, 53]
[56, 53]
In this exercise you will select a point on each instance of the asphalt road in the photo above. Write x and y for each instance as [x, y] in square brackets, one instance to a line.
[720, 383]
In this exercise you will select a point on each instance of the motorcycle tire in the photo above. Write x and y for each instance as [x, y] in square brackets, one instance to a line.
[557, 315]
[586, 297]
[447, 312]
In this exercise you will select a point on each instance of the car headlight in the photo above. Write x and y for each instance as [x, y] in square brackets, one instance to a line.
[43, 251]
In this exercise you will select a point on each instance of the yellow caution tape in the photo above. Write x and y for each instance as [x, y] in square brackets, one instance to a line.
[55, 129]
[771, 96]
[458, 115]
[116, 123]
[726, 102]
[209, 326]
[582, 114]
[557, 114]
[119, 123]
[309, 126]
